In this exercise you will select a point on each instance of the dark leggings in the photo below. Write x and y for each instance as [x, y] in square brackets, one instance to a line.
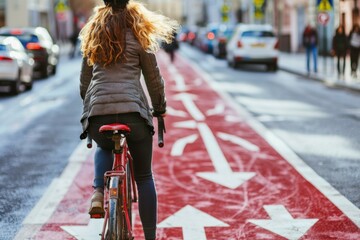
[341, 60]
[140, 146]
[354, 58]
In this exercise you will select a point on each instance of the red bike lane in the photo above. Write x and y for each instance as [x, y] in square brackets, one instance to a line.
[217, 178]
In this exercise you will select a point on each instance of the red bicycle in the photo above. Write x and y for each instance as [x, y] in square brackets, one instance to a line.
[120, 188]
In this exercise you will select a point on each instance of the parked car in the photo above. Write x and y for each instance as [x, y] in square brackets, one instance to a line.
[39, 45]
[206, 36]
[222, 37]
[253, 43]
[189, 34]
[16, 67]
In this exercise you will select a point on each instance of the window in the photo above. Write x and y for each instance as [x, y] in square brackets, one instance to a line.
[257, 34]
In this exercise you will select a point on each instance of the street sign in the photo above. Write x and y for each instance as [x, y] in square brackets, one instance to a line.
[323, 18]
[325, 5]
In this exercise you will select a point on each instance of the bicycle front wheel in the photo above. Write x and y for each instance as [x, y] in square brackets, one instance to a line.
[116, 222]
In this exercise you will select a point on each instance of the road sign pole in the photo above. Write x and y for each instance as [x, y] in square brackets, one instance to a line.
[325, 48]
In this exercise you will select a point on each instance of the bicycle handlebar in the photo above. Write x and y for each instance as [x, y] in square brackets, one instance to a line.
[161, 131]
[89, 141]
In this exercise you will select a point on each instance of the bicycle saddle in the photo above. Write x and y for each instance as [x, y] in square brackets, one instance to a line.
[115, 127]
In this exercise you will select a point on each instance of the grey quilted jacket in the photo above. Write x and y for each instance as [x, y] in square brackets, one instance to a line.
[117, 88]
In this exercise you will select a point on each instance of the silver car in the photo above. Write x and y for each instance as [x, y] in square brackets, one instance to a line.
[16, 67]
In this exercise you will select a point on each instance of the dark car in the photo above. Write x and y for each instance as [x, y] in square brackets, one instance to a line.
[39, 45]
[219, 44]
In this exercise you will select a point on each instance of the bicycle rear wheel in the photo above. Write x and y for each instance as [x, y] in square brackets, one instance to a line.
[116, 222]
[128, 199]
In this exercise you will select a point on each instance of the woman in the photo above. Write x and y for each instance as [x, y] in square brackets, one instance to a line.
[354, 42]
[339, 48]
[118, 44]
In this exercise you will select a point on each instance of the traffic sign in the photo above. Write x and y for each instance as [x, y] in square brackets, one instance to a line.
[325, 5]
[323, 18]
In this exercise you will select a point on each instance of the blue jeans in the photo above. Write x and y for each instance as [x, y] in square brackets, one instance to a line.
[311, 51]
[140, 147]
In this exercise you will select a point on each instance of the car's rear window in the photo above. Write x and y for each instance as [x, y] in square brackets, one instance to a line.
[257, 34]
[2, 47]
[24, 38]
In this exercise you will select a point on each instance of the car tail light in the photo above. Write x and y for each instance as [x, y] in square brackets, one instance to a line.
[34, 46]
[191, 36]
[211, 36]
[3, 58]
[277, 44]
[239, 44]
[16, 32]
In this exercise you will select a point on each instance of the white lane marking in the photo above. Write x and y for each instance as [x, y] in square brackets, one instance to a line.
[188, 101]
[179, 145]
[43, 210]
[48, 203]
[192, 221]
[282, 223]
[347, 207]
[218, 110]
[239, 141]
[92, 231]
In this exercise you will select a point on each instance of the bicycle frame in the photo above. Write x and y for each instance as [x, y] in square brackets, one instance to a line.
[116, 180]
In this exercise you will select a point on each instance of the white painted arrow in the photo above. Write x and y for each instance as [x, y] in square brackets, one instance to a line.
[193, 222]
[179, 145]
[92, 231]
[188, 101]
[177, 113]
[179, 80]
[239, 141]
[223, 174]
[219, 109]
[186, 124]
[283, 224]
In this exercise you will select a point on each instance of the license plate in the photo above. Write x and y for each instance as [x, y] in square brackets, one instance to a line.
[258, 45]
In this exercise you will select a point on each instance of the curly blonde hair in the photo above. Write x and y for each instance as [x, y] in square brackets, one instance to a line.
[103, 36]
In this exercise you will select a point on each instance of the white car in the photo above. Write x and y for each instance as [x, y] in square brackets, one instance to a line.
[253, 43]
[16, 67]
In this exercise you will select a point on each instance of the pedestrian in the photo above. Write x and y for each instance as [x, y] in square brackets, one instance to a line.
[74, 38]
[170, 48]
[74, 43]
[354, 44]
[310, 41]
[118, 45]
[339, 49]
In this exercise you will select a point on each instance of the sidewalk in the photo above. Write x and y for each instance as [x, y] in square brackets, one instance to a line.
[327, 70]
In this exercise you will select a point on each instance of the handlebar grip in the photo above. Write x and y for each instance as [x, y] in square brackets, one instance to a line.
[161, 131]
[89, 141]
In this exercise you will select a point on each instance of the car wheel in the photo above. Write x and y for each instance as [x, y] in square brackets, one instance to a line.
[16, 86]
[28, 86]
[44, 72]
[272, 67]
[53, 71]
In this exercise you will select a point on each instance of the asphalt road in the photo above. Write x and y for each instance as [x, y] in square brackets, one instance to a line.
[39, 129]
